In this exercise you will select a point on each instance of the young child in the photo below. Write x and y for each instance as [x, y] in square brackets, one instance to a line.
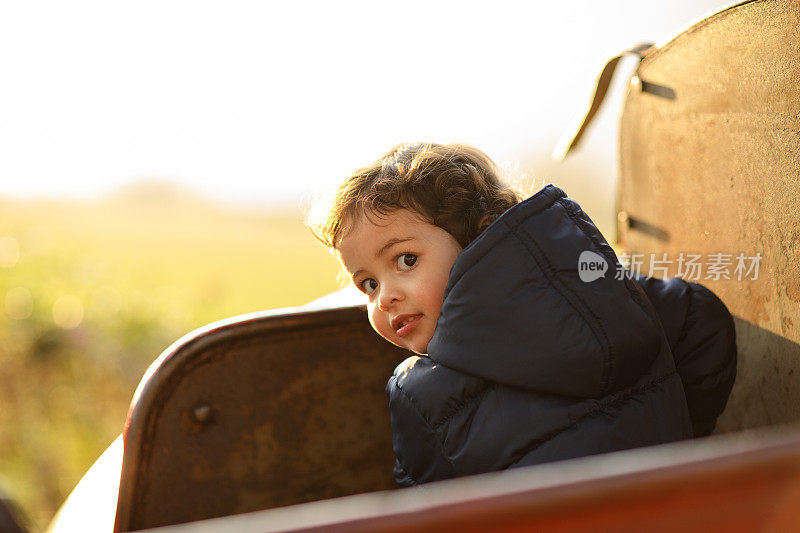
[520, 362]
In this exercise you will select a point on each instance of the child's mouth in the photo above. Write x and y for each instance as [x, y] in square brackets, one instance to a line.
[407, 325]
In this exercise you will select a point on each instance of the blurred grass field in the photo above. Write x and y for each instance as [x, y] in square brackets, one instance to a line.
[92, 292]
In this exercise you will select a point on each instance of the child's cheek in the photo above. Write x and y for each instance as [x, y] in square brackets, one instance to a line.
[377, 322]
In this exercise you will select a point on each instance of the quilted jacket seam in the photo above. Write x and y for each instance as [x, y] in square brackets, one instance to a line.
[406, 474]
[608, 363]
[685, 325]
[463, 404]
[559, 286]
[599, 407]
[428, 425]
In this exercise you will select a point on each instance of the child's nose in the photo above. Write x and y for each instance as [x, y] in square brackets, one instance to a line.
[385, 303]
[388, 297]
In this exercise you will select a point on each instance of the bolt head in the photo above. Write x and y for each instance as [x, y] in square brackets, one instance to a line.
[203, 413]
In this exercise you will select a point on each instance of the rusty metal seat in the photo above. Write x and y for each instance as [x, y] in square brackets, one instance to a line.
[259, 411]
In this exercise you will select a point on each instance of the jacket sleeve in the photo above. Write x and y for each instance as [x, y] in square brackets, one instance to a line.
[702, 337]
[420, 457]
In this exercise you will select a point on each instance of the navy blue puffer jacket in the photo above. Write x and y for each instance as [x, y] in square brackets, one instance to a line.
[529, 364]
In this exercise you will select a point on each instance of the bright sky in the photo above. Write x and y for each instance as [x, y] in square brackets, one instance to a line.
[263, 102]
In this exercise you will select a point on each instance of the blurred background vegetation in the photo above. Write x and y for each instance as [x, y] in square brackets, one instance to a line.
[92, 291]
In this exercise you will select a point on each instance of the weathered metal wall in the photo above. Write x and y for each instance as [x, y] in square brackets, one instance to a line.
[710, 163]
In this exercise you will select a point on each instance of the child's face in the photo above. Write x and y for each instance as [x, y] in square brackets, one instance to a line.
[402, 263]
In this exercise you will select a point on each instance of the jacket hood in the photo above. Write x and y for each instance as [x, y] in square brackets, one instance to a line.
[516, 311]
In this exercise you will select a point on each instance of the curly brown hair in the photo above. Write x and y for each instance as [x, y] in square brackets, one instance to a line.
[453, 186]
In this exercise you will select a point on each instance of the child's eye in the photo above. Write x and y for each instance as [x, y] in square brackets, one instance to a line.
[368, 286]
[406, 261]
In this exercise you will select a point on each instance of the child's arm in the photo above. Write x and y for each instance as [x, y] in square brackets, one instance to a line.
[701, 334]
[419, 451]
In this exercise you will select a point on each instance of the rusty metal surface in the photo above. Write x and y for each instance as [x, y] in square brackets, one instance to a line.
[258, 413]
[715, 168]
[728, 483]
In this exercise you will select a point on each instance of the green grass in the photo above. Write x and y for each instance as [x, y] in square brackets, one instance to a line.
[136, 276]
